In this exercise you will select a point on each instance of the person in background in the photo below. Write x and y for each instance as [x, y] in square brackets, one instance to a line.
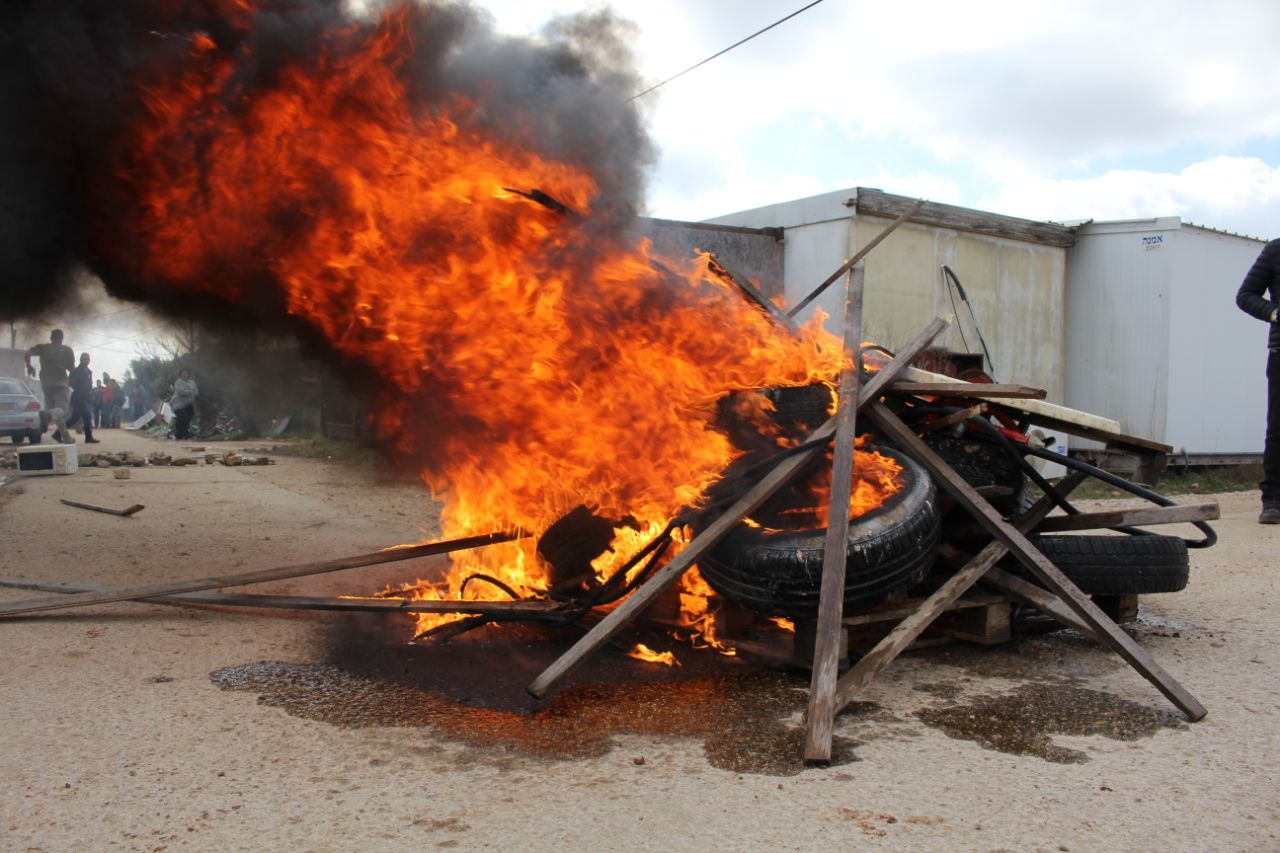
[183, 404]
[108, 400]
[1263, 280]
[97, 404]
[81, 379]
[56, 362]
[117, 402]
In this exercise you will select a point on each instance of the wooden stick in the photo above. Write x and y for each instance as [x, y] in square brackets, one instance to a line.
[1137, 517]
[906, 631]
[826, 650]
[1131, 517]
[718, 529]
[1044, 570]
[719, 268]
[861, 253]
[1041, 599]
[123, 513]
[976, 389]
[953, 418]
[294, 602]
[390, 555]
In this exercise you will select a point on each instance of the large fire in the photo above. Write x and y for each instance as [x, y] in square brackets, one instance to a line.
[535, 362]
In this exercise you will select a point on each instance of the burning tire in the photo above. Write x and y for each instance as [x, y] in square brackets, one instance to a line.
[982, 462]
[1117, 565]
[779, 573]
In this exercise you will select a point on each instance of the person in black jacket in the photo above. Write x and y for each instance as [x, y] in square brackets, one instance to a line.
[81, 378]
[1261, 282]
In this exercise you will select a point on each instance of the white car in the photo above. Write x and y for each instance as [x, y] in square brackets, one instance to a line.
[19, 411]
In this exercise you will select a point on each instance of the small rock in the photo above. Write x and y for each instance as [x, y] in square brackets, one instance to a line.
[121, 473]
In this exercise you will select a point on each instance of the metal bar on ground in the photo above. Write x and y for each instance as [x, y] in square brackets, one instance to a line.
[645, 594]
[861, 253]
[826, 650]
[297, 602]
[390, 555]
[1044, 570]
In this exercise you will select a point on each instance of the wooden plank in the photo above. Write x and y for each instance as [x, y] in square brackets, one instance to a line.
[858, 256]
[296, 602]
[1139, 517]
[1037, 597]
[906, 631]
[986, 626]
[390, 555]
[123, 513]
[1059, 417]
[1135, 517]
[647, 592]
[878, 203]
[1044, 570]
[753, 294]
[985, 391]
[953, 418]
[1113, 438]
[826, 649]
[911, 605]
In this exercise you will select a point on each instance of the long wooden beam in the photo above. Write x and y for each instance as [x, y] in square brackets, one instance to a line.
[985, 391]
[300, 602]
[826, 651]
[647, 592]
[1044, 570]
[1136, 517]
[390, 555]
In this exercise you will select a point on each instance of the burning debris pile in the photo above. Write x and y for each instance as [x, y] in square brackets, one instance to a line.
[445, 210]
[448, 213]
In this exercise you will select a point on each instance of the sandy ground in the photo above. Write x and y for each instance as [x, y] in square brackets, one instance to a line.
[143, 727]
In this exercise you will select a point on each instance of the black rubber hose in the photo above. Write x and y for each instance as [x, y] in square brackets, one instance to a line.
[1210, 535]
[1010, 447]
[490, 580]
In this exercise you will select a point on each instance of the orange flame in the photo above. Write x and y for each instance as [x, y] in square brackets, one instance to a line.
[644, 653]
[544, 365]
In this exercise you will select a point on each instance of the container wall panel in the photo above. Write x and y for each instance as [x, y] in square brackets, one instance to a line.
[1117, 324]
[1217, 353]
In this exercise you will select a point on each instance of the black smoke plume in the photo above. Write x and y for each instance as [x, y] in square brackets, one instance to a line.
[73, 72]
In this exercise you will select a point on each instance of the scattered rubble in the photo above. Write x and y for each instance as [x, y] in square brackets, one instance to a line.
[128, 459]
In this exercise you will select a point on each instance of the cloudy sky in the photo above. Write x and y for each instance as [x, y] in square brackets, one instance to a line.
[1047, 110]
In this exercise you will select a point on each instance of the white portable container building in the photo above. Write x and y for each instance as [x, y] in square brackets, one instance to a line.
[1154, 338]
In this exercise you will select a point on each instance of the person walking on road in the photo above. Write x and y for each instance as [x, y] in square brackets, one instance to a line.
[56, 363]
[183, 404]
[81, 379]
[1263, 280]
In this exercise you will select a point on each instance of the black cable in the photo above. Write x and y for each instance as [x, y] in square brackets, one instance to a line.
[738, 43]
[1210, 535]
[951, 294]
[491, 580]
[964, 297]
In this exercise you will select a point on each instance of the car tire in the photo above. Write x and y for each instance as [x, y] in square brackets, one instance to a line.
[1116, 565]
[779, 573]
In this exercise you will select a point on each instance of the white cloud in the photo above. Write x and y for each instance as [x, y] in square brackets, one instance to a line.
[1234, 193]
